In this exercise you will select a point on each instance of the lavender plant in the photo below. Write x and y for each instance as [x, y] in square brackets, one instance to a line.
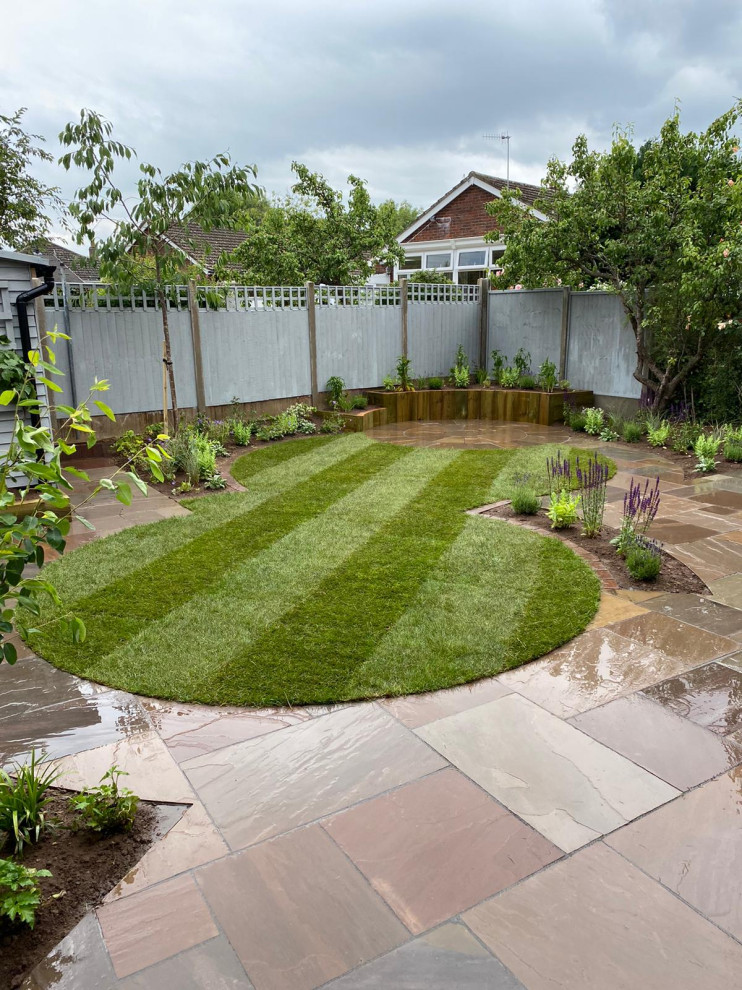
[592, 481]
[644, 559]
[639, 509]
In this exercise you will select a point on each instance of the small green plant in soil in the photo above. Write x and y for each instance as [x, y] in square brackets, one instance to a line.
[522, 362]
[435, 383]
[20, 894]
[643, 559]
[23, 800]
[389, 384]
[345, 403]
[241, 432]
[215, 482]
[657, 436]
[632, 432]
[562, 509]
[106, 807]
[499, 361]
[706, 448]
[335, 386]
[565, 384]
[524, 500]
[526, 381]
[547, 376]
[509, 378]
[404, 374]
[608, 434]
[482, 377]
[683, 435]
[640, 506]
[360, 402]
[332, 424]
[460, 372]
[733, 452]
[594, 420]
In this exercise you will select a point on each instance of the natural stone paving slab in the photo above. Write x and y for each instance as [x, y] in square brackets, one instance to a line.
[613, 608]
[712, 558]
[79, 962]
[152, 772]
[211, 966]
[437, 846]
[596, 922]
[694, 847]
[728, 590]
[297, 912]
[265, 786]
[150, 926]
[417, 709]
[720, 496]
[191, 842]
[701, 612]
[192, 730]
[683, 642]
[673, 531]
[450, 958]
[673, 748]
[710, 696]
[565, 784]
[596, 667]
[44, 708]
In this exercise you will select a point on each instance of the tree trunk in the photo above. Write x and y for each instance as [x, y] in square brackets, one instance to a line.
[168, 353]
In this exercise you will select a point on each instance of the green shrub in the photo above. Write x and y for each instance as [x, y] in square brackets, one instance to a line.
[563, 509]
[460, 373]
[20, 895]
[345, 403]
[526, 381]
[107, 807]
[360, 402]
[733, 451]
[706, 448]
[215, 482]
[332, 424]
[435, 383]
[214, 430]
[658, 435]
[335, 386]
[389, 383]
[522, 362]
[404, 374]
[643, 559]
[578, 422]
[482, 377]
[547, 376]
[241, 432]
[499, 361]
[594, 420]
[130, 447]
[23, 799]
[524, 500]
[632, 432]
[206, 456]
[509, 377]
[683, 435]
[608, 434]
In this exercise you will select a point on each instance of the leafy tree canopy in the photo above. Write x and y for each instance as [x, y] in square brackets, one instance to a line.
[398, 216]
[659, 226]
[25, 202]
[316, 235]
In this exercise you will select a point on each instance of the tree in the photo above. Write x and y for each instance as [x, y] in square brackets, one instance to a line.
[35, 452]
[658, 226]
[397, 217]
[24, 201]
[202, 190]
[316, 236]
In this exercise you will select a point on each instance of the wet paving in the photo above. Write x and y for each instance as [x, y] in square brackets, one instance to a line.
[572, 823]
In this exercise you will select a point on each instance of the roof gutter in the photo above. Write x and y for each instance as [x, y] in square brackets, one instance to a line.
[21, 302]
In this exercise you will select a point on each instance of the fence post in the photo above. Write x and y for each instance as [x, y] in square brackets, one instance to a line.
[403, 312]
[312, 321]
[564, 340]
[198, 366]
[484, 302]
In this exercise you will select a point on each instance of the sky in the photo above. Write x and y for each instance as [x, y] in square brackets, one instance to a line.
[400, 94]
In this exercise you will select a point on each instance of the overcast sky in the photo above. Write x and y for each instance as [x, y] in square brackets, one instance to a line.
[400, 94]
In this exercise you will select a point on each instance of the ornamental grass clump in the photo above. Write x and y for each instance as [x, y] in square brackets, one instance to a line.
[592, 481]
[524, 500]
[24, 798]
[644, 559]
[640, 506]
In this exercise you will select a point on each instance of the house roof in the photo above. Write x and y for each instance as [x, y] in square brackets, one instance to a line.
[204, 247]
[491, 183]
[77, 267]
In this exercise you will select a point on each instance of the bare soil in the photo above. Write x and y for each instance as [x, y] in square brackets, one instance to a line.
[85, 866]
[674, 576]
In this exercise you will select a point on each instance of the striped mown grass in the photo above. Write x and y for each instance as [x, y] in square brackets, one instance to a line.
[348, 569]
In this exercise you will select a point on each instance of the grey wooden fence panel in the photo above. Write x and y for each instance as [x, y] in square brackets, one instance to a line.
[530, 319]
[125, 347]
[601, 352]
[435, 330]
[255, 355]
[360, 344]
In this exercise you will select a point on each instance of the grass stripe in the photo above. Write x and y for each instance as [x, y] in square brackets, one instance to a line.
[197, 638]
[341, 625]
[95, 565]
[194, 568]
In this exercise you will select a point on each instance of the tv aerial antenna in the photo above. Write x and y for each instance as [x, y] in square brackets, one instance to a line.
[503, 136]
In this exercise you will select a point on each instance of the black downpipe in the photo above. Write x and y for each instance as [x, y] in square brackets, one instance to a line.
[21, 302]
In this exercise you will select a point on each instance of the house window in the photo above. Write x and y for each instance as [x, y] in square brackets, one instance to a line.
[473, 259]
[413, 262]
[497, 254]
[442, 260]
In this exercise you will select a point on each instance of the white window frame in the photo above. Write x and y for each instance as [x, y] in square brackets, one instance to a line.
[467, 268]
[453, 247]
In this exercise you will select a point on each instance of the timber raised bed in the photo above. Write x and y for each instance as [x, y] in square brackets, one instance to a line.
[512, 405]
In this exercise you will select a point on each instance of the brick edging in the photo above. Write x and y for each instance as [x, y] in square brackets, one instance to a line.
[607, 581]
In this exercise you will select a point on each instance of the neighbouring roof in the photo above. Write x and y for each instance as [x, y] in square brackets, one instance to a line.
[204, 247]
[77, 267]
[493, 183]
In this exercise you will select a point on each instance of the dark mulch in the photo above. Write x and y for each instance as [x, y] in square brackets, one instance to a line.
[84, 867]
[674, 576]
